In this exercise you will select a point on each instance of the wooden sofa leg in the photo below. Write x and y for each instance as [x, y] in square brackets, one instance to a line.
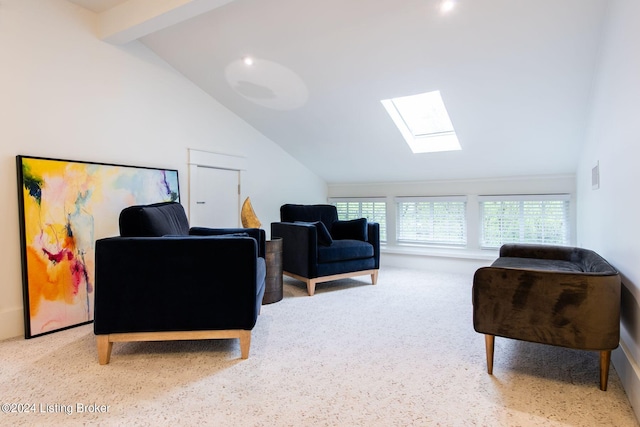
[104, 349]
[245, 344]
[374, 277]
[489, 341]
[605, 361]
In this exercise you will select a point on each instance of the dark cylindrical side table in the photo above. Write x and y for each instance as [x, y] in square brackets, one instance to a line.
[273, 281]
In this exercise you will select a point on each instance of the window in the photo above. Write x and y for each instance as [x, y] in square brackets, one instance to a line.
[525, 219]
[423, 122]
[432, 220]
[375, 210]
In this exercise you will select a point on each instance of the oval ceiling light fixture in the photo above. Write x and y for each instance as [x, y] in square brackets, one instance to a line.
[447, 6]
[267, 84]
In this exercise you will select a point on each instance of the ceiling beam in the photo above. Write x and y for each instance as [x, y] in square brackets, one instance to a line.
[137, 18]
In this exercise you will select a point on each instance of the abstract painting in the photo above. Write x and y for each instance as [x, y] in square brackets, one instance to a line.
[64, 207]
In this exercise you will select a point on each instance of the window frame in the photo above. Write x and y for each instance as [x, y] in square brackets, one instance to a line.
[403, 112]
[360, 200]
[522, 199]
[434, 242]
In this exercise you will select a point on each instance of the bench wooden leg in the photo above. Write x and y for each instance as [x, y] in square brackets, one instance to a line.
[605, 361]
[489, 341]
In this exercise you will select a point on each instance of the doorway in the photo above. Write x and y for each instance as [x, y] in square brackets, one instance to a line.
[214, 189]
[217, 203]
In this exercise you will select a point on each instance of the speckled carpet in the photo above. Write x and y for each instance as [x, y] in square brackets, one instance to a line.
[401, 353]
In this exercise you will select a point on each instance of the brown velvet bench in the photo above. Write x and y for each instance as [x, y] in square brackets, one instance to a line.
[557, 295]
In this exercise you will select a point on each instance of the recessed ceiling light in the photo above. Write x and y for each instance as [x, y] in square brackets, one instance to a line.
[248, 61]
[447, 6]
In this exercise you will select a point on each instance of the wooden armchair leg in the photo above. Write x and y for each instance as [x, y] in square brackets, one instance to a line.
[374, 277]
[104, 349]
[311, 287]
[605, 361]
[489, 341]
[245, 344]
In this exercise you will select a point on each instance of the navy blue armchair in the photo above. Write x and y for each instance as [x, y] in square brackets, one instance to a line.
[317, 247]
[162, 280]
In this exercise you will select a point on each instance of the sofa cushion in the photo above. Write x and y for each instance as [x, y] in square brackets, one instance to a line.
[538, 264]
[355, 229]
[344, 250]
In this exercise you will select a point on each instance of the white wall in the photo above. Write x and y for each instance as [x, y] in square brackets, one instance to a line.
[608, 218]
[465, 260]
[66, 94]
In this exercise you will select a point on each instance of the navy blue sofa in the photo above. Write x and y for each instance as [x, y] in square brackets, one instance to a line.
[162, 280]
[317, 247]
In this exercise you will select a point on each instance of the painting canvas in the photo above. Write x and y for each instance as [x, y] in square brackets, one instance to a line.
[64, 207]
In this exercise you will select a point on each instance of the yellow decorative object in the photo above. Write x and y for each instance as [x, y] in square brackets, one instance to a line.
[248, 216]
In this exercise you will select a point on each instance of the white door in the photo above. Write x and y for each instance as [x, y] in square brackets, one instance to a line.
[217, 198]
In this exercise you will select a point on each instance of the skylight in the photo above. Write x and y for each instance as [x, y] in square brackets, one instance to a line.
[423, 122]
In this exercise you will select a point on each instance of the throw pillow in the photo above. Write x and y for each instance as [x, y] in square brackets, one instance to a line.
[355, 229]
[324, 237]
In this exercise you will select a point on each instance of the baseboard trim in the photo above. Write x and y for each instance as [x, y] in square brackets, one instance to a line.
[11, 323]
[425, 262]
[629, 373]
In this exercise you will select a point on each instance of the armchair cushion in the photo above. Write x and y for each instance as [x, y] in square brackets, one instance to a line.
[158, 219]
[355, 229]
[310, 213]
[345, 250]
[324, 237]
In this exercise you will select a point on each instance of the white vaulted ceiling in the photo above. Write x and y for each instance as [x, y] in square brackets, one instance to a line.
[515, 76]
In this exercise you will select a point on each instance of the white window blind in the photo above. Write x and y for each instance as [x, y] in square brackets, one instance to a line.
[375, 210]
[542, 219]
[432, 220]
